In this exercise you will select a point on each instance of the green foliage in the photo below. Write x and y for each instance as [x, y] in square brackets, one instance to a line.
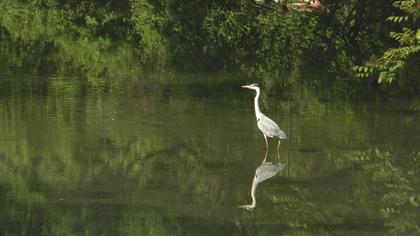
[258, 41]
[389, 66]
[400, 205]
[111, 37]
[147, 26]
[28, 22]
[184, 33]
[46, 38]
[348, 32]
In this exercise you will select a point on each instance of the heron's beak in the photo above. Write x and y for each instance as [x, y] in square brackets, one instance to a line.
[246, 86]
[247, 207]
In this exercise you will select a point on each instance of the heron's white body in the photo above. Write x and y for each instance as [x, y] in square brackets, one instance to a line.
[268, 127]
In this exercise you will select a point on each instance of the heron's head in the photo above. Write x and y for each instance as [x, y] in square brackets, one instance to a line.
[253, 86]
[248, 207]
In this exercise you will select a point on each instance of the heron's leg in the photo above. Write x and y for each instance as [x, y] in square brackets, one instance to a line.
[265, 157]
[287, 164]
[266, 142]
[278, 148]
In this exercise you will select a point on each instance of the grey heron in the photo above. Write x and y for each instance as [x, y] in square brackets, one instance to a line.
[265, 171]
[268, 127]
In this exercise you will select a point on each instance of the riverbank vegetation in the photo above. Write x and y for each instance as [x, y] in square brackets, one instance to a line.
[107, 38]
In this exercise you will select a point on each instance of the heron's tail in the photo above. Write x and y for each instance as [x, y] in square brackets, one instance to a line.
[282, 135]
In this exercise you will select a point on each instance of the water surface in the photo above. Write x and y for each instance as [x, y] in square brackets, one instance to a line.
[179, 158]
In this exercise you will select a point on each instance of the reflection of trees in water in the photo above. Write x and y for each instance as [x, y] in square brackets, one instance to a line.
[341, 198]
[365, 191]
[55, 162]
[398, 179]
[370, 191]
[176, 169]
[67, 146]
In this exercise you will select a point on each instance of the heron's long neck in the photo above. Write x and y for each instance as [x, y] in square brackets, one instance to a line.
[253, 189]
[256, 103]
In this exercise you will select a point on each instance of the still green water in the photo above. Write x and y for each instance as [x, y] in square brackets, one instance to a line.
[178, 159]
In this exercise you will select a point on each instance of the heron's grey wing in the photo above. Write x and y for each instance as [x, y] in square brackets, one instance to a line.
[270, 128]
[266, 171]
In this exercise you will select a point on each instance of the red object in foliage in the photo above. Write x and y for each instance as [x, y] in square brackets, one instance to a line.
[306, 5]
[314, 5]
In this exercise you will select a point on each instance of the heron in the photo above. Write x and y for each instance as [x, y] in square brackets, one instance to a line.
[265, 171]
[268, 127]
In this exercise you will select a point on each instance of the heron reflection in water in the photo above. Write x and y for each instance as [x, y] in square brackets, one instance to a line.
[265, 171]
[268, 127]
